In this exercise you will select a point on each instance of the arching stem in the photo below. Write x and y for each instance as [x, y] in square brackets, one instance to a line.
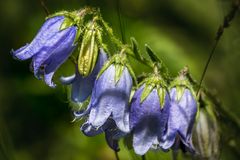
[226, 23]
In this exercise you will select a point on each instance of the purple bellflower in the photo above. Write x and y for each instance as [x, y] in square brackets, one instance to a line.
[148, 117]
[82, 86]
[182, 113]
[49, 49]
[110, 99]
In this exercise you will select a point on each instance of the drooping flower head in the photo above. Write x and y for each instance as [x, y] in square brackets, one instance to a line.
[206, 133]
[148, 114]
[51, 46]
[182, 113]
[110, 97]
[82, 86]
[108, 110]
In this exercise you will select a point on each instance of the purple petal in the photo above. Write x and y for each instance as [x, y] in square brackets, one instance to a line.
[90, 131]
[112, 143]
[111, 98]
[67, 80]
[144, 136]
[82, 113]
[53, 45]
[147, 120]
[82, 86]
[57, 55]
[49, 28]
[181, 119]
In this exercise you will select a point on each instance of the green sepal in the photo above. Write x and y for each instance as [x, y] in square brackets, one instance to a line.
[132, 94]
[60, 13]
[105, 66]
[180, 90]
[88, 52]
[146, 91]
[181, 83]
[131, 73]
[118, 72]
[152, 55]
[135, 48]
[156, 61]
[68, 22]
[161, 95]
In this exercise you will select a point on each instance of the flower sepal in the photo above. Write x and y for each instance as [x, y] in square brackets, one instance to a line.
[181, 83]
[120, 62]
[154, 81]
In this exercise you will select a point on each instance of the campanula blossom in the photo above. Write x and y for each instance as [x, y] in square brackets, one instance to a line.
[148, 115]
[182, 113]
[82, 86]
[111, 99]
[49, 49]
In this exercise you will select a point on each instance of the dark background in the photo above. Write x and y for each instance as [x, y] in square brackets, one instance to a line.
[35, 120]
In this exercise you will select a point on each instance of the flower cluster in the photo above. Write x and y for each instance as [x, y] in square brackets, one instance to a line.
[158, 112]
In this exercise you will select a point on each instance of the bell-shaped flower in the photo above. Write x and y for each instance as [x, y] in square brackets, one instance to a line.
[148, 115]
[182, 113]
[49, 49]
[110, 98]
[82, 86]
[112, 134]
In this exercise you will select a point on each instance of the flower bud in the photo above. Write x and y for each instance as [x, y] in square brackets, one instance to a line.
[89, 49]
[206, 132]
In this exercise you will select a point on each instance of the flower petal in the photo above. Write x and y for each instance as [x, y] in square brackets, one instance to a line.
[49, 28]
[147, 120]
[57, 56]
[90, 131]
[112, 143]
[181, 118]
[111, 97]
[56, 49]
[67, 80]
[79, 114]
[82, 86]
[144, 136]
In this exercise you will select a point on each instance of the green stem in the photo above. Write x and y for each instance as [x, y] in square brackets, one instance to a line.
[44, 7]
[143, 157]
[116, 155]
[226, 22]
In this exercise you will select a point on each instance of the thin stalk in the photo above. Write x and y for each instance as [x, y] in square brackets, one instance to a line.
[116, 155]
[226, 23]
[122, 29]
[44, 6]
[143, 157]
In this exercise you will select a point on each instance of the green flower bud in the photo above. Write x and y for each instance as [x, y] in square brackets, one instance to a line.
[206, 132]
[89, 49]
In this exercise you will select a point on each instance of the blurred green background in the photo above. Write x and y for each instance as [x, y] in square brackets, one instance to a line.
[35, 120]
